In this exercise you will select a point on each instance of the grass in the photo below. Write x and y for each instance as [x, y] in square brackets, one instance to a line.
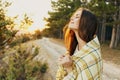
[112, 55]
[109, 55]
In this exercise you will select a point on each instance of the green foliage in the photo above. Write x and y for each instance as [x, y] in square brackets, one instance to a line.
[6, 25]
[105, 11]
[46, 32]
[25, 37]
[7, 31]
[62, 10]
[20, 39]
[21, 65]
[26, 22]
[43, 68]
[37, 34]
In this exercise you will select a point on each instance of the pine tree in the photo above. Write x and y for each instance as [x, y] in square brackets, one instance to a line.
[115, 39]
[59, 17]
[103, 10]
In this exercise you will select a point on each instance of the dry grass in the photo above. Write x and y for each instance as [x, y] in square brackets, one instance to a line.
[112, 55]
[109, 55]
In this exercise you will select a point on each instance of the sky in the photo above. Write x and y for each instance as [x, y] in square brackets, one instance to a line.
[36, 9]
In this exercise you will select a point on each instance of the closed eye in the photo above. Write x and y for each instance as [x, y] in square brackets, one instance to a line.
[77, 17]
[77, 14]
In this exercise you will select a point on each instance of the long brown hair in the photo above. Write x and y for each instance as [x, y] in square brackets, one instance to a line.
[87, 30]
[70, 40]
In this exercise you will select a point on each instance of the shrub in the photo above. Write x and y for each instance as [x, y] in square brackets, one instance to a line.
[20, 39]
[20, 65]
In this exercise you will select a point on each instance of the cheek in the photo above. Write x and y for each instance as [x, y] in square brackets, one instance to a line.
[74, 24]
[77, 21]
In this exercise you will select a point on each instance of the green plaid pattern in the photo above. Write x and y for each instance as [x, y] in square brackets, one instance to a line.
[87, 64]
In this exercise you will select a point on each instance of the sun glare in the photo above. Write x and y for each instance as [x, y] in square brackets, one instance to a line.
[36, 9]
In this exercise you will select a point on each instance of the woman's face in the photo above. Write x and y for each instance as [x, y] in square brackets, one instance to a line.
[75, 20]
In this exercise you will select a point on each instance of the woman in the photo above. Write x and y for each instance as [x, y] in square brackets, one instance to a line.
[83, 58]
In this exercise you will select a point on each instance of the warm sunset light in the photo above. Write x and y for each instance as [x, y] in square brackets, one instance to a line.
[35, 9]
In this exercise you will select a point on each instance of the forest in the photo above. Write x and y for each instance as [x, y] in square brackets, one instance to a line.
[107, 12]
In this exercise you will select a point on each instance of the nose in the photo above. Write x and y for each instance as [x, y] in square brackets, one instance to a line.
[71, 19]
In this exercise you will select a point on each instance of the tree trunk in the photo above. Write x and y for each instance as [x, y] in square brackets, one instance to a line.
[114, 32]
[117, 36]
[118, 31]
[60, 34]
[103, 30]
[112, 43]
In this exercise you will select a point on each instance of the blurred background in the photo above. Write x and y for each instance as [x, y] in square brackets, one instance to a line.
[31, 36]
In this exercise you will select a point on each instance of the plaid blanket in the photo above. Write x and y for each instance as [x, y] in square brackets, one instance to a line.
[87, 63]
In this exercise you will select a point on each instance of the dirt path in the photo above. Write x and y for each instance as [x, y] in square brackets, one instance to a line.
[52, 51]
[49, 52]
